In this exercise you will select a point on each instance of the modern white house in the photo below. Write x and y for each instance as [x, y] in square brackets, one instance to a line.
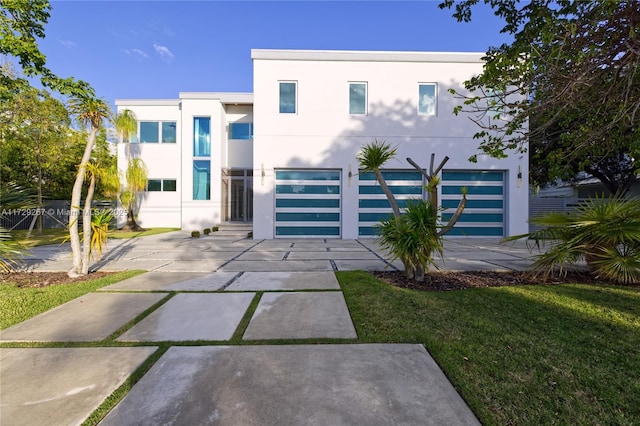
[284, 157]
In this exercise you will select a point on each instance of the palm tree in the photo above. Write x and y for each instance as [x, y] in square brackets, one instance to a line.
[90, 112]
[371, 158]
[136, 175]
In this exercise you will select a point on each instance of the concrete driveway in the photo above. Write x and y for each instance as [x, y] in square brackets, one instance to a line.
[193, 301]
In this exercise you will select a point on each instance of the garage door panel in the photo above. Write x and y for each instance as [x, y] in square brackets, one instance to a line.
[308, 203]
[373, 205]
[484, 214]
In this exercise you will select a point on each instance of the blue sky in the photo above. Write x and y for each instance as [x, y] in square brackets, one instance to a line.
[155, 49]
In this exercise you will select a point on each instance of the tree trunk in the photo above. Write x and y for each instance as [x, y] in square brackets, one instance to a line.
[74, 210]
[131, 224]
[86, 226]
[387, 192]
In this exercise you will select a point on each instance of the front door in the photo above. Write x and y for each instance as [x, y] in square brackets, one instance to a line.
[238, 195]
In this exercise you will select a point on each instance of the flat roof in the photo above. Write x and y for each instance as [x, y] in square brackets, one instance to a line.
[366, 56]
[238, 98]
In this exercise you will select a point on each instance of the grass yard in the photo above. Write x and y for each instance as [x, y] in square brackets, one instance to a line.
[145, 233]
[18, 304]
[525, 355]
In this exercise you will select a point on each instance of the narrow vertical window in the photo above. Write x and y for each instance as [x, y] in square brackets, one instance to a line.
[357, 98]
[201, 180]
[201, 137]
[168, 132]
[427, 99]
[287, 97]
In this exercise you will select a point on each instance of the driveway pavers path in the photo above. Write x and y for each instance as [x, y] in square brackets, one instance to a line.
[201, 290]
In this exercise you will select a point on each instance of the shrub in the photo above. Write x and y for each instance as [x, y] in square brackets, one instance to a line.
[413, 238]
[207, 231]
[214, 228]
[604, 233]
[195, 234]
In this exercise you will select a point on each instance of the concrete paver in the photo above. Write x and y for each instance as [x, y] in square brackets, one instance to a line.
[300, 316]
[150, 281]
[61, 386]
[374, 384]
[89, 318]
[192, 316]
[266, 281]
[277, 266]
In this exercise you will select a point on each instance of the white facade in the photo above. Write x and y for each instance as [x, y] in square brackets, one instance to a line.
[312, 111]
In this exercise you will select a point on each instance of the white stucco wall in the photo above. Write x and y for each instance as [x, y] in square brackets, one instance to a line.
[322, 133]
[157, 209]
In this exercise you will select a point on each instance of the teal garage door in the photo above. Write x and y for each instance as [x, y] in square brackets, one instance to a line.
[372, 203]
[307, 203]
[485, 211]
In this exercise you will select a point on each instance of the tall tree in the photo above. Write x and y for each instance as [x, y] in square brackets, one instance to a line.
[567, 88]
[91, 112]
[39, 123]
[22, 24]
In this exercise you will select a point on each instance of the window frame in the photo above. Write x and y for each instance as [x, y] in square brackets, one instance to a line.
[435, 99]
[250, 133]
[160, 131]
[295, 97]
[366, 97]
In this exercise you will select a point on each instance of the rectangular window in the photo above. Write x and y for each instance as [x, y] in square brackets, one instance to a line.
[427, 99]
[201, 136]
[164, 185]
[149, 132]
[168, 132]
[288, 97]
[154, 185]
[243, 131]
[169, 185]
[201, 180]
[357, 98]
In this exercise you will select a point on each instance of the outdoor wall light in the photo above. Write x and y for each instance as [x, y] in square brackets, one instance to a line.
[519, 176]
[262, 175]
[350, 175]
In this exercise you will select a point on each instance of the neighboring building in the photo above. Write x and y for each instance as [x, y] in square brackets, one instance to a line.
[284, 157]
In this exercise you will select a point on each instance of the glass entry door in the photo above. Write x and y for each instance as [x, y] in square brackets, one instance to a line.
[237, 195]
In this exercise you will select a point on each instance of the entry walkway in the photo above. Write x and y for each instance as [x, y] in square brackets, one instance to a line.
[194, 299]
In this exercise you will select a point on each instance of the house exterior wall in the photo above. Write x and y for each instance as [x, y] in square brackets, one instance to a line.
[323, 135]
[320, 136]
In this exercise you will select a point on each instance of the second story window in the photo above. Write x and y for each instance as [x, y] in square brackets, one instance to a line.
[288, 99]
[242, 131]
[157, 131]
[357, 98]
[427, 99]
[201, 136]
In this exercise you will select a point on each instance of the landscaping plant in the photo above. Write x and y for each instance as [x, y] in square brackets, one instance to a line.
[415, 235]
[602, 232]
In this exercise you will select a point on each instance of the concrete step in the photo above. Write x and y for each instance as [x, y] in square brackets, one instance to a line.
[240, 230]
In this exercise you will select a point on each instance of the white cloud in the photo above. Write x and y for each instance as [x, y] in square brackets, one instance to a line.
[138, 53]
[164, 52]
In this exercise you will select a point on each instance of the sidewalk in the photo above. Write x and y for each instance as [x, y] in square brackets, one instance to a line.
[195, 297]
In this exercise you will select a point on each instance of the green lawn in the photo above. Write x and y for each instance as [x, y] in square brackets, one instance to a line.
[528, 355]
[145, 233]
[19, 304]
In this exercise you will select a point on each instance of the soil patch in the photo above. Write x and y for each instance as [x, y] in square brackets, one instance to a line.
[46, 279]
[444, 281]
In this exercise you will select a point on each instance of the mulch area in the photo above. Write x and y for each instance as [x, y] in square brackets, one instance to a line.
[446, 281]
[45, 279]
